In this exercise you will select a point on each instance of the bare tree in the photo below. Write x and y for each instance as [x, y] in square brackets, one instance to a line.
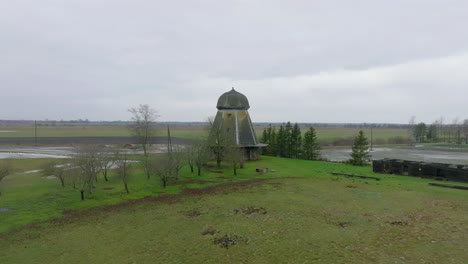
[124, 167]
[457, 131]
[143, 129]
[5, 169]
[411, 127]
[163, 167]
[177, 155]
[465, 130]
[197, 154]
[190, 156]
[218, 139]
[177, 158]
[441, 129]
[235, 156]
[108, 158]
[87, 160]
[56, 169]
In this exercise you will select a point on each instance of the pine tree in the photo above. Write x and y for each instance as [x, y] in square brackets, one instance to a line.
[265, 140]
[269, 137]
[288, 140]
[272, 146]
[310, 146]
[360, 151]
[296, 141]
[281, 141]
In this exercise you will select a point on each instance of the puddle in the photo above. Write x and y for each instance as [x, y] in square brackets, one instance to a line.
[17, 155]
[31, 171]
[8, 131]
[3, 209]
[413, 154]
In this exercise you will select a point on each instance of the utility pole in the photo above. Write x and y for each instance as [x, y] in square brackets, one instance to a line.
[169, 140]
[371, 138]
[35, 132]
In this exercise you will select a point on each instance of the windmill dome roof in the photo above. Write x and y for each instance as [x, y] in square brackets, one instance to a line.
[233, 100]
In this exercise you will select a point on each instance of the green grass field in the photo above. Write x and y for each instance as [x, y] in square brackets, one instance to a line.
[298, 213]
[324, 134]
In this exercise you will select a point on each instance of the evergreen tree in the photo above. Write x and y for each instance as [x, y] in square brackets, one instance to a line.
[296, 141]
[310, 145]
[281, 142]
[271, 148]
[265, 140]
[419, 132]
[431, 134]
[288, 140]
[269, 137]
[360, 151]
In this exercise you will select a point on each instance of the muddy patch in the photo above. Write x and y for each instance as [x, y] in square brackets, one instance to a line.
[251, 210]
[229, 240]
[194, 182]
[192, 213]
[4, 209]
[211, 231]
[339, 219]
[398, 223]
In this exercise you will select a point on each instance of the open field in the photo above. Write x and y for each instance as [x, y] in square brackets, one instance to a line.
[326, 135]
[298, 213]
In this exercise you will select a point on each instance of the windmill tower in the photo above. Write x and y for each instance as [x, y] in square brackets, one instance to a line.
[233, 123]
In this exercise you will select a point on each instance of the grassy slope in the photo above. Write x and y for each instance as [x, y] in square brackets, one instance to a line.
[311, 215]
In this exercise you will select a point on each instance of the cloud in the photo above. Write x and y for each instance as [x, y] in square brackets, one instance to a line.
[310, 61]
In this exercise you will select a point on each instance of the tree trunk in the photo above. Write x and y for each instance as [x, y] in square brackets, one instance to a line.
[235, 171]
[105, 175]
[82, 194]
[191, 168]
[145, 163]
[62, 181]
[90, 184]
[126, 188]
[199, 170]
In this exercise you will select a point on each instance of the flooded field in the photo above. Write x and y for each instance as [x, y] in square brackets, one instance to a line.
[35, 152]
[411, 153]
[418, 153]
[8, 152]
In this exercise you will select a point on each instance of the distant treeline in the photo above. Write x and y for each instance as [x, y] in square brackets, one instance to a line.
[457, 132]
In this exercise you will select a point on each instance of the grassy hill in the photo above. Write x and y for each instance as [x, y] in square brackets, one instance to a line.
[297, 213]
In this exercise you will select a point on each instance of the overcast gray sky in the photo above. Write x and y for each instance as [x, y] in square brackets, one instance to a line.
[303, 61]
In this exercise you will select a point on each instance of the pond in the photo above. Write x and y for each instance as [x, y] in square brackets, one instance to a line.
[410, 153]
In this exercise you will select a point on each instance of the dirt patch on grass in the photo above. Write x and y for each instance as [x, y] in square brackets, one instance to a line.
[398, 223]
[228, 241]
[250, 210]
[339, 219]
[192, 213]
[193, 182]
[75, 216]
[210, 231]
